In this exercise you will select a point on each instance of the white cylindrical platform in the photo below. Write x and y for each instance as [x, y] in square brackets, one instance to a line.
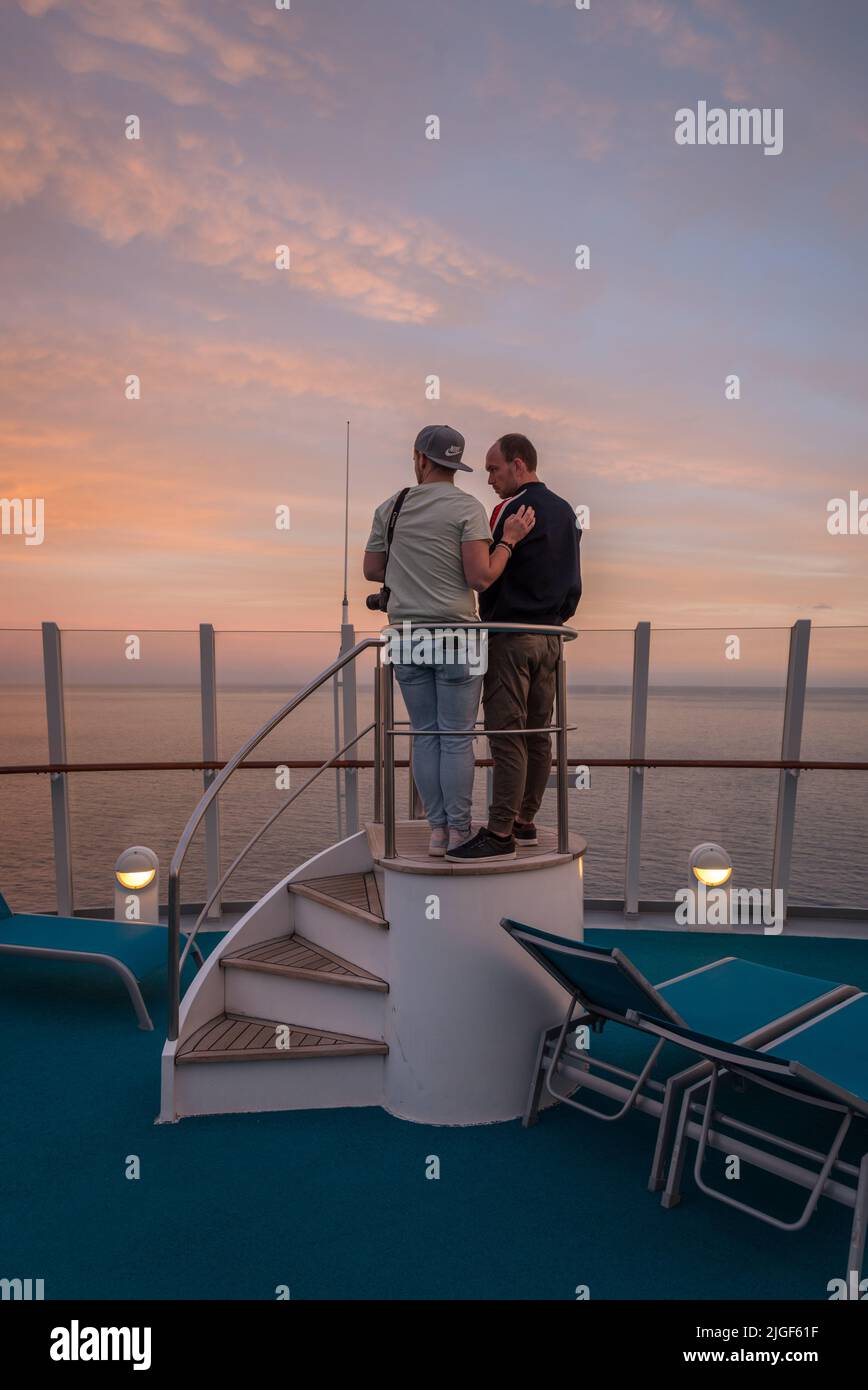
[466, 1003]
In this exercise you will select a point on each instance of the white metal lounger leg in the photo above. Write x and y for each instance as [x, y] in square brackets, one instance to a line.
[672, 1193]
[96, 958]
[860, 1218]
[816, 1189]
[531, 1113]
[761, 1215]
[589, 1109]
[675, 1088]
[134, 992]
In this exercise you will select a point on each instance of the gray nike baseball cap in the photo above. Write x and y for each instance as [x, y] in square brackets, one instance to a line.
[442, 444]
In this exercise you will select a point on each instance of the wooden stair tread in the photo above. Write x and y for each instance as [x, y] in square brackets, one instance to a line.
[300, 959]
[357, 895]
[236, 1038]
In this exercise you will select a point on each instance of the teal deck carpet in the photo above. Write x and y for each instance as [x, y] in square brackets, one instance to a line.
[336, 1204]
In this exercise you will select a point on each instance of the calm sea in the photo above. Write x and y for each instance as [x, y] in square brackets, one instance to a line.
[113, 810]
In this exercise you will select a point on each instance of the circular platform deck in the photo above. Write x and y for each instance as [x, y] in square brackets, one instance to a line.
[411, 843]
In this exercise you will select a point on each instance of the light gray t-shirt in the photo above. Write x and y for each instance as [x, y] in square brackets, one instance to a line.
[425, 571]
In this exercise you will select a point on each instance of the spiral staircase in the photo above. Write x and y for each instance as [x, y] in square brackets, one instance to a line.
[372, 974]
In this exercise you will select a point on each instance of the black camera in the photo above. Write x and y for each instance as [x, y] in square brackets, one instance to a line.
[379, 602]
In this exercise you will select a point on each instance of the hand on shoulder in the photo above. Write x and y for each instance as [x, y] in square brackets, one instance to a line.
[519, 525]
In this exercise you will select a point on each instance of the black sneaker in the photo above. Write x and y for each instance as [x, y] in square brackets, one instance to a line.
[483, 847]
[525, 834]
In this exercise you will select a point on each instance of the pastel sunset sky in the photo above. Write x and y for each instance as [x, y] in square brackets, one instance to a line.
[412, 257]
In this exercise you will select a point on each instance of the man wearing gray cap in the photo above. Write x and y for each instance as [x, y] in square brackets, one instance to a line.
[434, 539]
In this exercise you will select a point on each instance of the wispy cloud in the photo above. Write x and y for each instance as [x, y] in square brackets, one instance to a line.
[412, 258]
[169, 40]
[216, 208]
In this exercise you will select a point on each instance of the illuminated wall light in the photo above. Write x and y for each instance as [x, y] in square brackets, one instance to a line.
[710, 864]
[137, 886]
[706, 903]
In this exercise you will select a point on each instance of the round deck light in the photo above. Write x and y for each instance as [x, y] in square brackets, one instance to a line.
[137, 885]
[710, 864]
[135, 878]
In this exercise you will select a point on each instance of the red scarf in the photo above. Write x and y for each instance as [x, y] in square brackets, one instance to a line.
[500, 506]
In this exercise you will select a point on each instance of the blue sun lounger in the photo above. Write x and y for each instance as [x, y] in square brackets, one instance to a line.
[132, 950]
[730, 999]
[822, 1066]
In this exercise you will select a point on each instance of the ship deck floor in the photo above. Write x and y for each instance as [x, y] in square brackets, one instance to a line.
[336, 1204]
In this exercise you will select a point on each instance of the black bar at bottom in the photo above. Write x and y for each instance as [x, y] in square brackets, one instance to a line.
[652, 1337]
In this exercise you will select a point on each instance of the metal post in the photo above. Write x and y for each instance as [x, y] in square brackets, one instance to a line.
[414, 800]
[52, 664]
[791, 746]
[388, 763]
[561, 745]
[636, 780]
[378, 740]
[489, 776]
[351, 728]
[208, 685]
[173, 936]
[337, 720]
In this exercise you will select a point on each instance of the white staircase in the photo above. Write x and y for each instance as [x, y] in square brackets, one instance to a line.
[311, 1001]
[289, 1011]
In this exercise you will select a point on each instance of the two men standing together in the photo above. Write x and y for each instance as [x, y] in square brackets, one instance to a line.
[439, 547]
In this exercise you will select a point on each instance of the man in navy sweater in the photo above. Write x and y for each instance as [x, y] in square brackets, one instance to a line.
[541, 585]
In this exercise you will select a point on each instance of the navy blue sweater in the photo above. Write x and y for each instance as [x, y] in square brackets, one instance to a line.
[542, 581]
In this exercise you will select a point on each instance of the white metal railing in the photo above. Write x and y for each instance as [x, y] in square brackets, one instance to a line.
[347, 779]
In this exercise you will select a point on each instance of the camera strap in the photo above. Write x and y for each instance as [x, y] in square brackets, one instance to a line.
[390, 527]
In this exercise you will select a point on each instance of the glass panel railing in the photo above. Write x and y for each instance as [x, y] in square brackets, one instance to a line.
[141, 707]
[831, 827]
[712, 693]
[733, 807]
[706, 699]
[717, 693]
[282, 661]
[599, 676]
[138, 708]
[26, 856]
[111, 811]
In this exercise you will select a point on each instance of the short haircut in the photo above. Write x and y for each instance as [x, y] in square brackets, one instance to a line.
[518, 446]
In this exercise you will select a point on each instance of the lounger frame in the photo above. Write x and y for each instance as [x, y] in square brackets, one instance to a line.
[662, 1100]
[131, 984]
[827, 1178]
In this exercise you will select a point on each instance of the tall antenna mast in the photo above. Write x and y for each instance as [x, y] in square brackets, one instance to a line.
[345, 602]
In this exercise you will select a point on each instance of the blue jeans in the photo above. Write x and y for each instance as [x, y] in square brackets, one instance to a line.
[442, 697]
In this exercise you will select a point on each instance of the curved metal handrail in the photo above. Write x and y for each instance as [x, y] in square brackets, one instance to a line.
[569, 634]
[174, 932]
[383, 728]
[398, 731]
[242, 854]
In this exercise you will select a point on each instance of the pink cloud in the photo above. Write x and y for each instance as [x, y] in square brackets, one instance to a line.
[214, 209]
